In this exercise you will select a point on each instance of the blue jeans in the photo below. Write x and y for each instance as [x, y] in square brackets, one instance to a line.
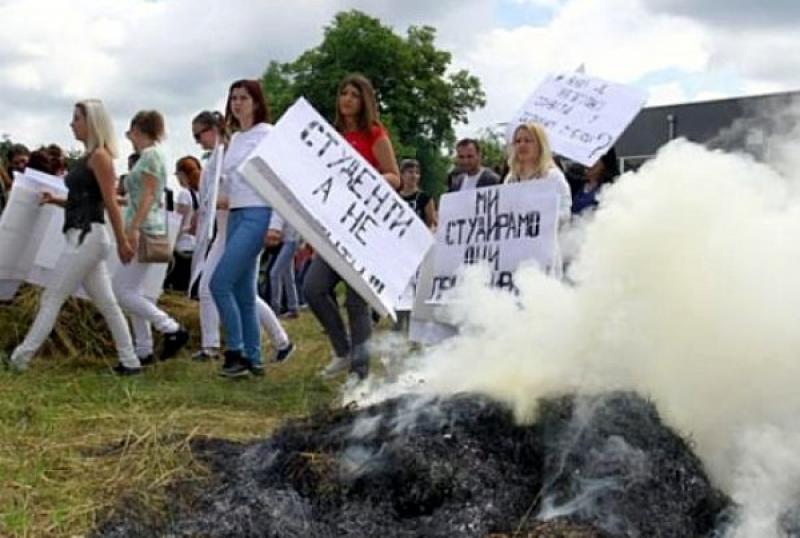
[281, 277]
[233, 285]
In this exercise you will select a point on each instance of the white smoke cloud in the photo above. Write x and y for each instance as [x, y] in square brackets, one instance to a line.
[686, 291]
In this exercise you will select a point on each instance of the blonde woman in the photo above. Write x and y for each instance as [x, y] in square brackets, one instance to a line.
[91, 185]
[530, 159]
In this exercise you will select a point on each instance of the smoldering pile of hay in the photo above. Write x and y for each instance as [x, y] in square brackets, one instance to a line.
[80, 330]
[601, 466]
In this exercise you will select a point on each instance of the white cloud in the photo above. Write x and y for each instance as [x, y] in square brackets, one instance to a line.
[666, 94]
[739, 13]
[548, 4]
[617, 40]
[179, 56]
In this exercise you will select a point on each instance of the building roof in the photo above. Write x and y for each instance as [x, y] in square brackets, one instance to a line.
[735, 124]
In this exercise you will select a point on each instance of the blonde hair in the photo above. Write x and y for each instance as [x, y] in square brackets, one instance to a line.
[545, 161]
[100, 128]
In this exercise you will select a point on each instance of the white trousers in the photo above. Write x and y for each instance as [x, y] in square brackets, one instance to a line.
[128, 286]
[80, 265]
[142, 336]
[209, 317]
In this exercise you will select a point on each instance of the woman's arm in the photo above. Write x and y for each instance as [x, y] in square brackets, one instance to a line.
[147, 199]
[431, 218]
[103, 167]
[50, 198]
[387, 163]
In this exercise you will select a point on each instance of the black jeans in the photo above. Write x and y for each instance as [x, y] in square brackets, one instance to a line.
[319, 283]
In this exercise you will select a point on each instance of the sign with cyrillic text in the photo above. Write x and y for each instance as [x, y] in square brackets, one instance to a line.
[340, 204]
[206, 212]
[502, 226]
[582, 115]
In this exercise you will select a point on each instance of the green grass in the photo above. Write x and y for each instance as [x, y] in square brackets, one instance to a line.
[75, 439]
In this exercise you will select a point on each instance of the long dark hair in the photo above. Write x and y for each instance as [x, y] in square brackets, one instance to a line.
[261, 114]
[368, 115]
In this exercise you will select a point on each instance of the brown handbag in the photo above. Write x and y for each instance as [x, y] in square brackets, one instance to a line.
[154, 248]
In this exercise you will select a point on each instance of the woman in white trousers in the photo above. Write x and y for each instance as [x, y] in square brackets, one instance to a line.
[208, 129]
[91, 185]
[145, 215]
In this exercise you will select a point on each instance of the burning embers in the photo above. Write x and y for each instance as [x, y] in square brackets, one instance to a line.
[602, 466]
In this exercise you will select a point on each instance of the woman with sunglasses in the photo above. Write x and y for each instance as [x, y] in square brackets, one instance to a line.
[209, 131]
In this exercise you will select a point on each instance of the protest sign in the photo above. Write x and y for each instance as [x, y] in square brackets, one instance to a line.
[32, 241]
[340, 204]
[406, 300]
[582, 115]
[429, 323]
[502, 226]
[23, 226]
[206, 212]
[41, 182]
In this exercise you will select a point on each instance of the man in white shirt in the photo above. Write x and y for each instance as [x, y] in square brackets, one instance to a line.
[472, 175]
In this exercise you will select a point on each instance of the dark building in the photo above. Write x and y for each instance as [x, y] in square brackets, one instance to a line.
[736, 124]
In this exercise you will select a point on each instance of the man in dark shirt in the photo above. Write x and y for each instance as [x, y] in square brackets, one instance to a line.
[472, 174]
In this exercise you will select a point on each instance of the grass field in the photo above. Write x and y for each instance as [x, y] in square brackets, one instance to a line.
[75, 439]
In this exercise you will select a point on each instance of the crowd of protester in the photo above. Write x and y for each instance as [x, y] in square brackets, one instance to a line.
[231, 264]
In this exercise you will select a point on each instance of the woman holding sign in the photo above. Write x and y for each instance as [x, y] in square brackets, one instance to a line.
[531, 160]
[146, 223]
[91, 185]
[208, 129]
[357, 121]
[250, 221]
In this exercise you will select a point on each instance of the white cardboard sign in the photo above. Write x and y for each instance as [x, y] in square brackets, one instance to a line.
[582, 115]
[340, 204]
[206, 211]
[31, 242]
[503, 226]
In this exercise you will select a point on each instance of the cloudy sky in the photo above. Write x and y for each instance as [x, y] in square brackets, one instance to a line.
[179, 56]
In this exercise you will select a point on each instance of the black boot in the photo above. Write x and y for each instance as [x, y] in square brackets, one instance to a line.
[235, 364]
[173, 342]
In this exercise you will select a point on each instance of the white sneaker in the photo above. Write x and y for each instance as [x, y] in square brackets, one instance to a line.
[18, 361]
[336, 365]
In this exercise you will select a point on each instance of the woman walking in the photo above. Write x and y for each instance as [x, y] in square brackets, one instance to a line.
[233, 284]
[91, 193]
[144, 214]
[208, 129]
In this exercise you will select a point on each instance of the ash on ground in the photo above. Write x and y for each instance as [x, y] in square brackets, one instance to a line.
[460, 466]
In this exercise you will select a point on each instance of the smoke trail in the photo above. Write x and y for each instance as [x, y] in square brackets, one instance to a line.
[686, 290]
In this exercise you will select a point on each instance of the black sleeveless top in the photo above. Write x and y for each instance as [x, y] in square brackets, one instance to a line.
[84, 199]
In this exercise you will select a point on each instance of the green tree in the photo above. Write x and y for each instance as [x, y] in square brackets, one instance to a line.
[420, 101]
[493, 148]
